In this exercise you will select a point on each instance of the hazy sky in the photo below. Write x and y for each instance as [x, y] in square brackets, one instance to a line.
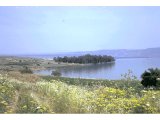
[33, 30]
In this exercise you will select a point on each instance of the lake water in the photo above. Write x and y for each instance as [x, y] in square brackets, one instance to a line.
[110, 71]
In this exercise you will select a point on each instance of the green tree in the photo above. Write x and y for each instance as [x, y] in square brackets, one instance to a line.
[150, 77]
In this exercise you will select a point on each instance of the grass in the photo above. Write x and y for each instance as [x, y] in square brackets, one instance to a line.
[27, 93]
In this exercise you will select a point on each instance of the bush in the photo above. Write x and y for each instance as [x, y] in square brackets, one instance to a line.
[26, 70]
[150, 77]
[56, 73]
[158, 82]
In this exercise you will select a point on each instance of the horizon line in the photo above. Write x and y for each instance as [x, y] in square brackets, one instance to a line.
[28, 54]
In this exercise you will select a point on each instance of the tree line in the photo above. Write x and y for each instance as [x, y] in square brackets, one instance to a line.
[85, 59]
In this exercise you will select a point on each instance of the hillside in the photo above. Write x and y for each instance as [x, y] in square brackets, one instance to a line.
[29, 93]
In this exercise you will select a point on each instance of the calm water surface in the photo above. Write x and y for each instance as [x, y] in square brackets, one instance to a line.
[111, 71]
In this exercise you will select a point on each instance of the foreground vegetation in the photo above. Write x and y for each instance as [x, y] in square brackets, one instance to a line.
[28, 93]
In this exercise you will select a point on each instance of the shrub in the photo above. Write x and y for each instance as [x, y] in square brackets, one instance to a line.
[150, 77]
[26, 70]
[38, 64]
[158, 82]
[56, 73]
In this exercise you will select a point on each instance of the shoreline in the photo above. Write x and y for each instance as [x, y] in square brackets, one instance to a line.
[15, 63]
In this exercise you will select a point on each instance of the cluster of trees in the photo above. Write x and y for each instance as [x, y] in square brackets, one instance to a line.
[85, 59]
[151, 77]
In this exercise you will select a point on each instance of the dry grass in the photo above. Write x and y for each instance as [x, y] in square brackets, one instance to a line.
[23, 77]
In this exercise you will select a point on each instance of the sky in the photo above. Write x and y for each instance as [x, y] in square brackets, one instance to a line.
[47, 30]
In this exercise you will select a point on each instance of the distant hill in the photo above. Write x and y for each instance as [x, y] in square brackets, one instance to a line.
[118, 53]
[121, 53]
[124, 53]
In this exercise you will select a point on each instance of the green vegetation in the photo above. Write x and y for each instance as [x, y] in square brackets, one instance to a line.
[6, 95]
[151, 78]
[91, 83]
[85, 59]
[50, 94]
[56, 73]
